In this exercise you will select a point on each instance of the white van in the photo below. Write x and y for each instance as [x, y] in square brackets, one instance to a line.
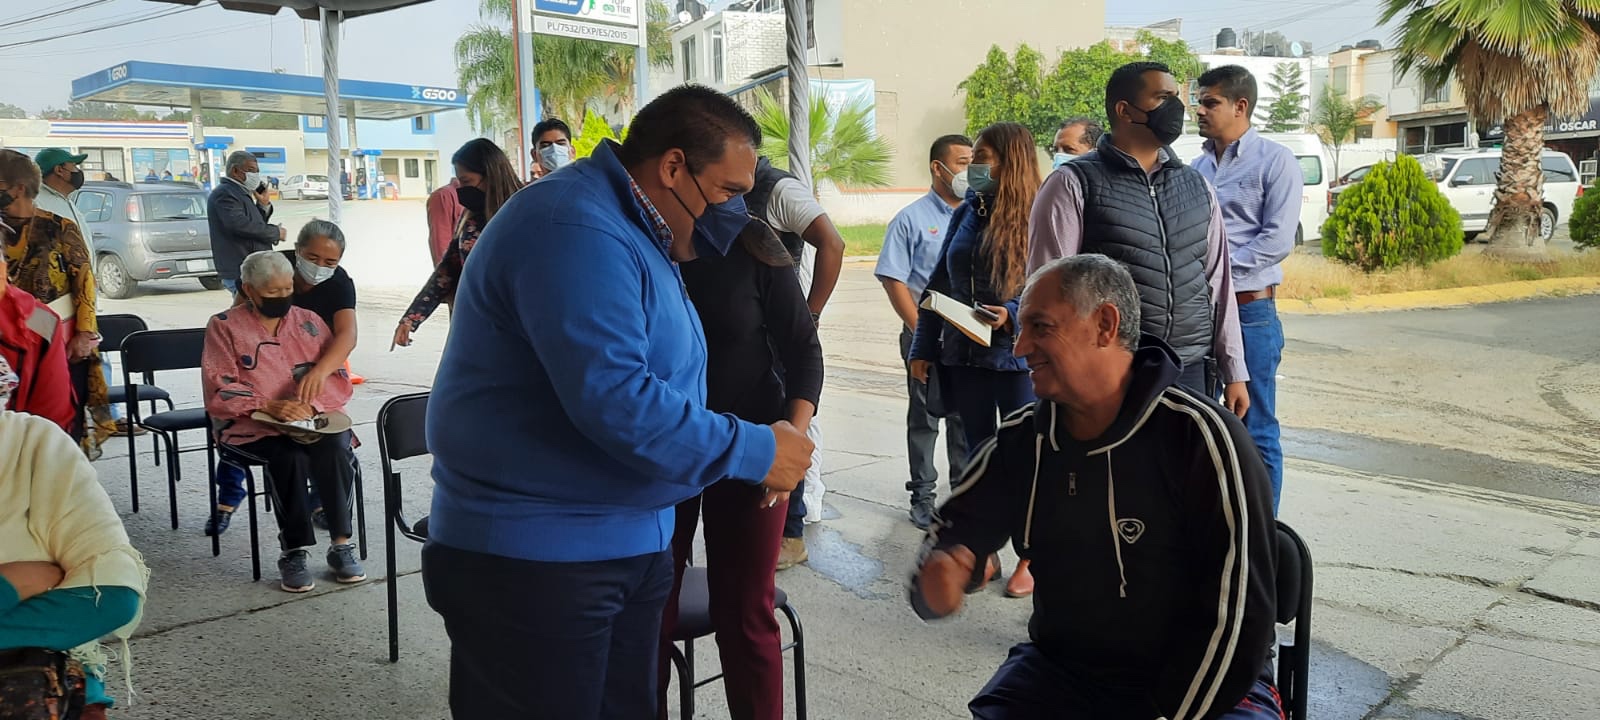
[1314, 166]
[1468, 178]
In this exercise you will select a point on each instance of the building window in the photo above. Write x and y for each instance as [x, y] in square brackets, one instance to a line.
[106, 161]
[1449, 136]
[1341, 80]
[412, 168]
[690, 53]
[315, 122]
[1363, 132]
[1416, 140]
[1436, 93]
[717, 61]
[422, 124]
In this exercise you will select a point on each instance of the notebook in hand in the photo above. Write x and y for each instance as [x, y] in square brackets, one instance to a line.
[958, 314]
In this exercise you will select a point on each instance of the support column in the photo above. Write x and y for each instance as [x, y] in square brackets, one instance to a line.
[330, 83]
[527, 98]
[794, 12]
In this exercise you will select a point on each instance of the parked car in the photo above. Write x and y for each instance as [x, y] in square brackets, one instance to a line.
[1467, 177]
[146, 231]
[301, 187]
[1354, 176]
[1307, 148]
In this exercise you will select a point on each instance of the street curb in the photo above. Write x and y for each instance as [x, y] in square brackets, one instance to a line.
[1453, 297]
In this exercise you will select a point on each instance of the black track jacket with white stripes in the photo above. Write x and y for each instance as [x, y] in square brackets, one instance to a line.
[1153, 546]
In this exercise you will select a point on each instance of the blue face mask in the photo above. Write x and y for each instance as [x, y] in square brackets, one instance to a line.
[719, 225]
[979, 180]
[1062, 158]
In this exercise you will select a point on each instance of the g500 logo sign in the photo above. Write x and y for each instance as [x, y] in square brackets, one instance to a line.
[422, 93]
[119, 72]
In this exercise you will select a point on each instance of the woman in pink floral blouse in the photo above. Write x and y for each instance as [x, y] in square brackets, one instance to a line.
[254, 358]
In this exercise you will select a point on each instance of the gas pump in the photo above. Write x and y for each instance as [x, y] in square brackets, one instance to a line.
[211, 154]
[367, 187]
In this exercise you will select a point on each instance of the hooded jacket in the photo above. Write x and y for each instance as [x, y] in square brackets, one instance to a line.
[1153, 546]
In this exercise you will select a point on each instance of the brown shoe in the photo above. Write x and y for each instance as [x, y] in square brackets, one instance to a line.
[123, 429]
[991, 568]
[792, 552]
[1021, 583]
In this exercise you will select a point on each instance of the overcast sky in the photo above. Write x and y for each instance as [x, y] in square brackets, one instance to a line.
[414, 45]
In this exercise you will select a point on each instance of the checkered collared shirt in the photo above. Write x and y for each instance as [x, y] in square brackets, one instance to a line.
[658, 223]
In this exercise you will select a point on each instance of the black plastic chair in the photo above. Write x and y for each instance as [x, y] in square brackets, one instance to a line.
[694, 621]
[402, 434]
[1294, 605]
[147, 352]
[113, 330]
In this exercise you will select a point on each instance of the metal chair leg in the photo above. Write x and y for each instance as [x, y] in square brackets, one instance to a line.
[389, 580]
[685, 684]
[361, 505]
[172, 476]
[133, 457]
[799, 660]
[255, 540]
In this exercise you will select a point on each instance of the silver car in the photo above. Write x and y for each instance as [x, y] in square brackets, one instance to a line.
[146, 231]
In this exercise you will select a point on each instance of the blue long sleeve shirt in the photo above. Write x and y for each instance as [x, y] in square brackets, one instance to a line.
[1259, 185]
[568, 415]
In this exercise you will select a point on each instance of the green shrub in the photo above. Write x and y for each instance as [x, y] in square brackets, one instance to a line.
[1585, 222]
[1393, 217]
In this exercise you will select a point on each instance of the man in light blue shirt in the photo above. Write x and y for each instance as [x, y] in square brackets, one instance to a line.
[910, 252]
[1259, 185]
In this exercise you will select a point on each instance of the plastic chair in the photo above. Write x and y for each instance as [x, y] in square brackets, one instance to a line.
[694, 621]
[147, 352]
[1294, 605]
[401, 435]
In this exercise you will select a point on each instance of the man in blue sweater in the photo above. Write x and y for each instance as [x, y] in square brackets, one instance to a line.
[568, 419]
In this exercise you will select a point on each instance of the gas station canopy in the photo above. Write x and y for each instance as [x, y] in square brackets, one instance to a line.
[147, 83]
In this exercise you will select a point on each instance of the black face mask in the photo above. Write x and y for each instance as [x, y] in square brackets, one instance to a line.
[472, 199]
[76, 180]
[1165, 121]
[5, 199]
[275, 307]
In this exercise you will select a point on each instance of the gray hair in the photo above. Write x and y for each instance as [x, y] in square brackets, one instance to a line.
[1089, 281]
[260, 267]
[1092, 130]
[320, 228]
[239, 158]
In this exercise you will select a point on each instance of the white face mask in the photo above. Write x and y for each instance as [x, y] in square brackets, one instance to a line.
[252, 180]
[555, 157]
[311, 272]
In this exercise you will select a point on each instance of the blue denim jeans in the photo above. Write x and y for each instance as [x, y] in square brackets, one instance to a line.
[1263, 349]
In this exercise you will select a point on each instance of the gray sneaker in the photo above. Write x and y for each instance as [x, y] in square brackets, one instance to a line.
[346, 565]
[296, 576]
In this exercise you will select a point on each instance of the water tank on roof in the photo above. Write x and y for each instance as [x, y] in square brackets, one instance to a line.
[1227, 38]
[1370, 45]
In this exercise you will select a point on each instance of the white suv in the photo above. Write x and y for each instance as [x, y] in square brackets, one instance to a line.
[1468, 179]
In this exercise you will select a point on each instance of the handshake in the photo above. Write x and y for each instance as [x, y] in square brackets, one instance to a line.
[792, 460]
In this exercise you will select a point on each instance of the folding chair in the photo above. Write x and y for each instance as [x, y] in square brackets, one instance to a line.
[148, 352]
[694, 621]
[113, 330]
[401, 434]
[244, 460]
[1294, 605]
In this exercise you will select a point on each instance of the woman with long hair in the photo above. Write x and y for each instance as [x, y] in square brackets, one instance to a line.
[983, 266]
[488, 179]
[756, 321]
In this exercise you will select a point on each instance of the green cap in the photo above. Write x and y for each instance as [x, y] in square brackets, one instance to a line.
[49, 158]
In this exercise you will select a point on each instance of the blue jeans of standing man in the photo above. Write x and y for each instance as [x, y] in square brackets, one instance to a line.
[1263, 349]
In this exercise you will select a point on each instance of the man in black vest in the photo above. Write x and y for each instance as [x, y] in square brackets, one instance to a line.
[792, 210]
[1132, 199]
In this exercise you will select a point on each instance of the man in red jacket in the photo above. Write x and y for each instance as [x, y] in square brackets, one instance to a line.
[30, 343]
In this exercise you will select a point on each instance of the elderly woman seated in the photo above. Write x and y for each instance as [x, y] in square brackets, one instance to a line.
[255, 357]
[68, 575]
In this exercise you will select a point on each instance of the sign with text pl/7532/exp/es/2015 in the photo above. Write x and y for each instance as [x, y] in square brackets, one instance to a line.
[614, 12]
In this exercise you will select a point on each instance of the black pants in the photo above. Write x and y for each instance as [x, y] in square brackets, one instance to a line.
[326, 464]
[78, 373]
[1197, 376]
[567, 641]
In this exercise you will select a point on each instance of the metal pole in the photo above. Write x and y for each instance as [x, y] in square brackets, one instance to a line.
[330, 92]
[799, 92]
[197, 134]
[641, 60]
[527, 112]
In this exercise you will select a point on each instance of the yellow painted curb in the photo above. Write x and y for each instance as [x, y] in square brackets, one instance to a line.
[1453, 297]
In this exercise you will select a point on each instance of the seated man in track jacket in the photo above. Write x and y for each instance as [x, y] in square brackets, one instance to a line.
[1144, 509]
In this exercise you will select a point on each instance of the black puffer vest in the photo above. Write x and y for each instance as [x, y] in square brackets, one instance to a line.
[1156, 226]
[767, 178]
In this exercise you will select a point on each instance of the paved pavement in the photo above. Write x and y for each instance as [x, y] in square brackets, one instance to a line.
[1441, 469]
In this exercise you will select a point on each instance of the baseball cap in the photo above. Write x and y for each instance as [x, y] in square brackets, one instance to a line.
[49, 158]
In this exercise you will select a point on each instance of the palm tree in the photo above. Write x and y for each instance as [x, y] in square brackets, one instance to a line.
[1517, 62]
[568, 72]
[845, 149]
